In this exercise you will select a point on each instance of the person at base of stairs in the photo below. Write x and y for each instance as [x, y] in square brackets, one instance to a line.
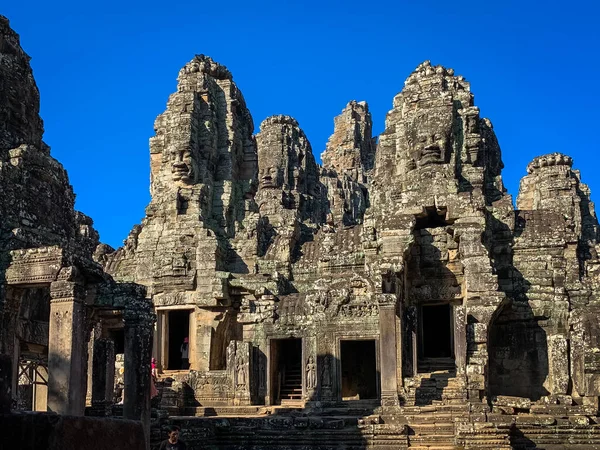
[173, 442]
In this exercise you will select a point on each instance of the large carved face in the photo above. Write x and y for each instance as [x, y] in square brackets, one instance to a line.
[182, 166]
[269, 177]
[429, 138]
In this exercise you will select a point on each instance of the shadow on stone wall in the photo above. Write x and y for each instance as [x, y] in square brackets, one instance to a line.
[432, 389]
[519, 441]
[517, 344]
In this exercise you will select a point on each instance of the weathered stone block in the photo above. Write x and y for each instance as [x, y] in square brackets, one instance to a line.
[515, 402]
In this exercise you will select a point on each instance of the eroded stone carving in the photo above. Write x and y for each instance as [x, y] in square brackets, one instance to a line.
[311, 373]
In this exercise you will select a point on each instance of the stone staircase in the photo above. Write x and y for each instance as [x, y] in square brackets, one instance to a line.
[432, 431]
[291, 386]
[438, 387]
[451, 427]
[435, 399]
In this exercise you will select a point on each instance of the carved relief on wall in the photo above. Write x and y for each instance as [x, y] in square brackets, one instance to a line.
[440, 290]
[40, 265]
[311, 373]
[241, 371]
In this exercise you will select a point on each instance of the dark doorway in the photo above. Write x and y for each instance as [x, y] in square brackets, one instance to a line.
[436, 331]
[179, 329]
[286, 370]
[118, 337]
[359, 370]
[518, 353]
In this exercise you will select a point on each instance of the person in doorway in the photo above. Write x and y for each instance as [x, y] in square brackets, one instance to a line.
[153, 390]
[185, 354]
[154, 368]
[173, 442]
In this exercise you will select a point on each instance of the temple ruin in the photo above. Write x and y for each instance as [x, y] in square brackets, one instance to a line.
[390, 298]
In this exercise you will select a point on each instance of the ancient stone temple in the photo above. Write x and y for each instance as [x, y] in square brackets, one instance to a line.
[391, 298]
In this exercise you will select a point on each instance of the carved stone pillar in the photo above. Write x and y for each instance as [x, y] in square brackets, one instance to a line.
[139, 326]
[103, 376]
[460, 338]
[388, 350]
[309, 368]
[240, 369]
[203, 324]
[66, 349]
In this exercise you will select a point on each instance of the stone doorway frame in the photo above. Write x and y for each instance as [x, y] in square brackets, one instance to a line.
[161, 341]
[458, 332]
[338, 363]
[421, 327]
[270, 396]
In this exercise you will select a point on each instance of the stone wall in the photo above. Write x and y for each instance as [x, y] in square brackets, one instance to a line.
[54, 432]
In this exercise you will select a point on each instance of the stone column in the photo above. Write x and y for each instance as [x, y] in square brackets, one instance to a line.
[201, 338]
[387, 349]
[162, 340]
[103, 376]
[66, 349]
[558, 364]
[96, 333]
[460, 338]
[139, 325]
[9, 311]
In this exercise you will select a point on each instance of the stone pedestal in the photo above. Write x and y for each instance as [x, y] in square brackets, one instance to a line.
[103, 377]
[388, 349]
[66, 349]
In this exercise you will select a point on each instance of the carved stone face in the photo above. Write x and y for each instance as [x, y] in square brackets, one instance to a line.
[270, 177]
[182, 166]
[429, 140]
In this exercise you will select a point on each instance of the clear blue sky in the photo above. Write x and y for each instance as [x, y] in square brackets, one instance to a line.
[106, 69]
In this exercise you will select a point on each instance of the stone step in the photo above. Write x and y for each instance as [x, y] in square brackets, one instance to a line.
[430, 418]
[213, 411]
[435, 447]
[446, 428]
[292, 402]
[438, 439]
[458, 409]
